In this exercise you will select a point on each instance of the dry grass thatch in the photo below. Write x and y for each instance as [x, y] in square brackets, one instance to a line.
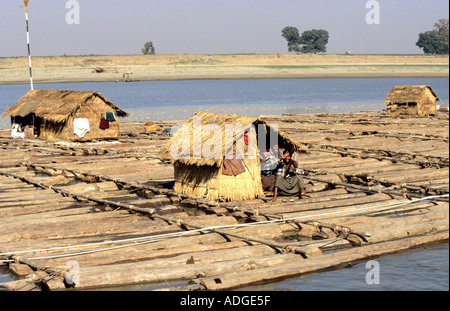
[411, 100]
[203, 177]
[228, 146]
[55, 106]
[210, 183]
[408, 94]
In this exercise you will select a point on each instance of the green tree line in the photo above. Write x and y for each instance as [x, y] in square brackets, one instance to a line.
[310, 41]
[435, 41]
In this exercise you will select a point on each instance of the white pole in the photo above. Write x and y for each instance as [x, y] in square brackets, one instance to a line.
[28, 44]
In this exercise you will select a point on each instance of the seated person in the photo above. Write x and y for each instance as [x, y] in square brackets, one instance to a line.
[288, 182]
[269, 163]
[17, 131]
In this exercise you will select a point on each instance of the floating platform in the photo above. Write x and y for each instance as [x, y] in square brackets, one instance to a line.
[103, 214]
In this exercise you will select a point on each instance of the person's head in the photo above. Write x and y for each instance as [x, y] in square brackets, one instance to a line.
[287, 155]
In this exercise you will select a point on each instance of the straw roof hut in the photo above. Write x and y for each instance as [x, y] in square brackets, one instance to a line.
[203, 152]
[54, 115]
[411, 100]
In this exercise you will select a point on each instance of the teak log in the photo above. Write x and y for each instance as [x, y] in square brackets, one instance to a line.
[331, 261]
[143, 272]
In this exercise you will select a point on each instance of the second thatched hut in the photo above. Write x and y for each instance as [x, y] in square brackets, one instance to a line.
[411, 100]
[67, 115]
[204, 155]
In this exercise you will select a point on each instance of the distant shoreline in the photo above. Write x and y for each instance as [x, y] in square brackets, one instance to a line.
[241, 77]
[119, 68]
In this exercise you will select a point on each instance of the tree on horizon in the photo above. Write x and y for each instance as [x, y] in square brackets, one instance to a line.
[311, 41]
[292, 36]
[314, 41]
[435, 41]
[148, 49]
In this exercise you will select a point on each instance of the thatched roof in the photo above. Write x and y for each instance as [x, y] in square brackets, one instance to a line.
[221, 120]
[407, 94]
[54, 105]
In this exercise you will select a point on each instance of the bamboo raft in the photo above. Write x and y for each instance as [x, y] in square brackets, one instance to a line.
[103, 214]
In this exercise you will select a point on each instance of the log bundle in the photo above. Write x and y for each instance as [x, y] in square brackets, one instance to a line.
[104, 214]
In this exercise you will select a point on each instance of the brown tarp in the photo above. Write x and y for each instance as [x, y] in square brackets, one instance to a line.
[232, 167]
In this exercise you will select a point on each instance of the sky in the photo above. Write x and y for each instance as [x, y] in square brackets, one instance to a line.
[119, 27]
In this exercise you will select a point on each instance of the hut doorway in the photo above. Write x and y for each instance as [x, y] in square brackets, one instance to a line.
[23, 125]
[37, 126]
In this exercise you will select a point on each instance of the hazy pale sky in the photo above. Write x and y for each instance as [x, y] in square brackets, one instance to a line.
[212, 26]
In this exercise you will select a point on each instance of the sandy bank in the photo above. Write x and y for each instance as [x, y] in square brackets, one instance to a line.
[186, 67]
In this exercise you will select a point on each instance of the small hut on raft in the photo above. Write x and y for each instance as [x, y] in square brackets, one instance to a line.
[212, 163]
[67, 115]
[411, 100]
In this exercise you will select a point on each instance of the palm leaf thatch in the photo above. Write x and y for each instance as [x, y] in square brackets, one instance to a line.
[411, 100]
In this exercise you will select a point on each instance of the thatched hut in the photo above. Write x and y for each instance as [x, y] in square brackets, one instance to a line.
[199, 173]
[411, 100]
[67, 115]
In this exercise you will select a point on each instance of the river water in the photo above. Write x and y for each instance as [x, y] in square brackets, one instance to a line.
[422, 269]
[425, 269]
[174, 100]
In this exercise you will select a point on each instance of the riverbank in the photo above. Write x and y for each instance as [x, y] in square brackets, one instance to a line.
[196, 66]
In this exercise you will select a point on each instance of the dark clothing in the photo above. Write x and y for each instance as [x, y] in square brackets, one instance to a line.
[288, 183]
[104, 124]
[110, 116]
[288, 186]
[268, 182]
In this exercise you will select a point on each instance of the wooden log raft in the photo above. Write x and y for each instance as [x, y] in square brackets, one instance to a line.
[372, 189]
[347, 209]
[344, 258]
